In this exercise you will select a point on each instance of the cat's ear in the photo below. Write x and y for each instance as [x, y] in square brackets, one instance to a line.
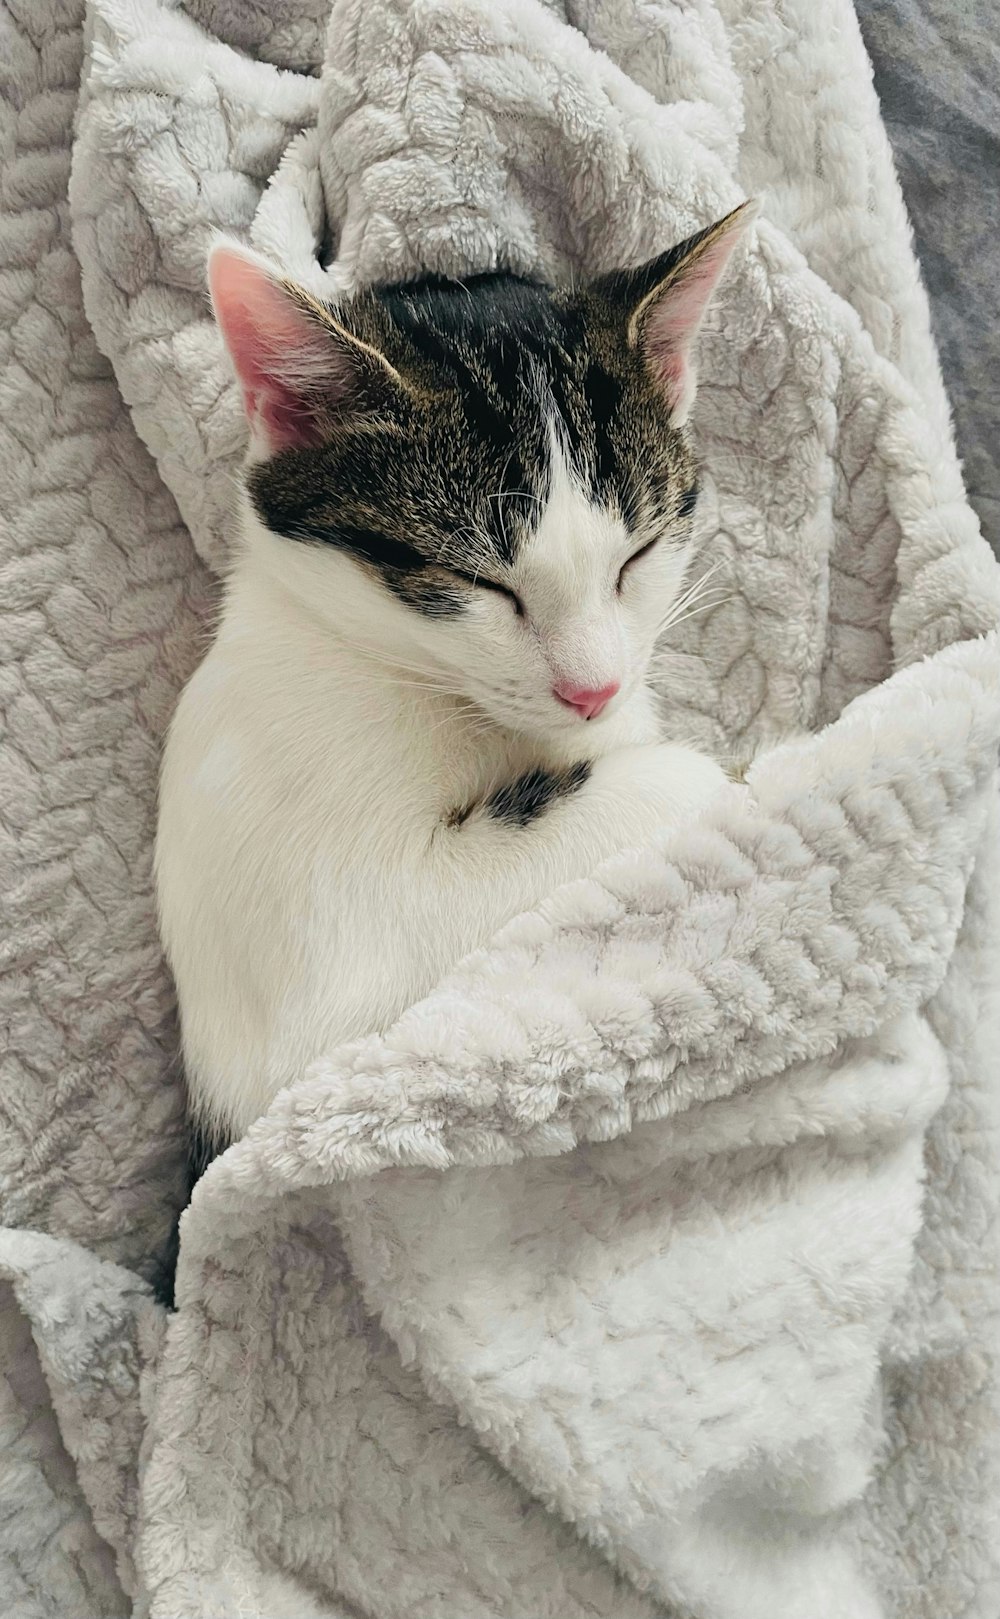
[663, 303]
[298, 367]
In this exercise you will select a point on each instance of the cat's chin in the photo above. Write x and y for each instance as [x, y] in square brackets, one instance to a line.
[568, 738]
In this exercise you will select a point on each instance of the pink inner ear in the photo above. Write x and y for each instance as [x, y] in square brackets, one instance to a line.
[283, 359]
[672, 323]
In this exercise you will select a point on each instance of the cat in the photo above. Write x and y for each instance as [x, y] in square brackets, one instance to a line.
[465, 516]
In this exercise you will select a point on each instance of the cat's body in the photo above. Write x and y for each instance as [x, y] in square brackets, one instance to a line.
[312, 846]
[385, 756]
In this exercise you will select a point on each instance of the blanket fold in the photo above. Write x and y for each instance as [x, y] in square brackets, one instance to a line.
[639, 1269]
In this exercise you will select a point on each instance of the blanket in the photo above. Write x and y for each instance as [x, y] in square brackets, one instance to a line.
[647, 1266]
[940, 98]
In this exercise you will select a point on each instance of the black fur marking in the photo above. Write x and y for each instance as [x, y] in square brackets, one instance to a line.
[688, 501]
[381, 549]
[201, 1149]
[604, 400]
[522, 801]
[407, 572]
[434, 600]
[481, 335]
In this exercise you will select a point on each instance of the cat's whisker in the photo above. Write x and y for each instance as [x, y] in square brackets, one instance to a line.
[426, 681]
[395, 662]
[693, 594]
[663, 644]
[702, 605]
[390, 678]
[473, 723]
[420, 685]
[709, 573]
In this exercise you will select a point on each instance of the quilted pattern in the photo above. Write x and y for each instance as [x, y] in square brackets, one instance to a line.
[101, 606]
[54, 1560]
[101, 600]
[676, 1256]
[289, 33]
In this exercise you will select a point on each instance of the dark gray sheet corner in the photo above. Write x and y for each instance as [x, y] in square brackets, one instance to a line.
[937, 71]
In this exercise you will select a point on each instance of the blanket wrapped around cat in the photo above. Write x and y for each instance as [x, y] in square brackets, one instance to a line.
[647, 1266]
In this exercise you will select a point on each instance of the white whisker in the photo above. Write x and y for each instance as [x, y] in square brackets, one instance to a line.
[691, 599]
[508, 494]
[702, 605]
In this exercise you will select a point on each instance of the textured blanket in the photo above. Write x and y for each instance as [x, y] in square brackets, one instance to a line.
[647, 1267]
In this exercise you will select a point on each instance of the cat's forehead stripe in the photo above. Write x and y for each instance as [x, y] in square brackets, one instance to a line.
[516, 356]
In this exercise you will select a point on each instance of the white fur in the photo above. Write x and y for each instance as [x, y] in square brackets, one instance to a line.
[309, 886]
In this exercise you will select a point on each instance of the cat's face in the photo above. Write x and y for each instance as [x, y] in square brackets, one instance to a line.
[486, 483]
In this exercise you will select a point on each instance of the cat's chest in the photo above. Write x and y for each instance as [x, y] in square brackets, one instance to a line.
[371, 769]
[386, 782]
[451, 763]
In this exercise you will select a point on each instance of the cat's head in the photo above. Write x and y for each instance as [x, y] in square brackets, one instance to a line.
[488, 481]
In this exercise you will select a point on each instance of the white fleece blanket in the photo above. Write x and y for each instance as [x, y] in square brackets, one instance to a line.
[608, 1281]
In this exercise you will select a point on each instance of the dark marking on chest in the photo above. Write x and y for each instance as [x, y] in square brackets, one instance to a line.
[459, 816]
[522, 801]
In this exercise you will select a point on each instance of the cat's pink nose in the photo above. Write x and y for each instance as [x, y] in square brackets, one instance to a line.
[587, 700]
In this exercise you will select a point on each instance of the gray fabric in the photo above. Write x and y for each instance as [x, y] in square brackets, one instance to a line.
[53, 1563]
[937, 72]
[289, 33]
[101, 605]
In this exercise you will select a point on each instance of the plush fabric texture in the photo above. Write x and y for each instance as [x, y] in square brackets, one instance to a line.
[936, 76]
[647, 1267]
[102, 607]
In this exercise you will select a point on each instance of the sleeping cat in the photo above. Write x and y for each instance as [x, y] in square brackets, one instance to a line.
[465, 517]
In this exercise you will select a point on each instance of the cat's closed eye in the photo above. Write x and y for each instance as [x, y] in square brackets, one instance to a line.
[636, 556]
[502, 590]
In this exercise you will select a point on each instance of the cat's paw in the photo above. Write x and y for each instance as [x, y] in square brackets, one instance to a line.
[658, 784]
